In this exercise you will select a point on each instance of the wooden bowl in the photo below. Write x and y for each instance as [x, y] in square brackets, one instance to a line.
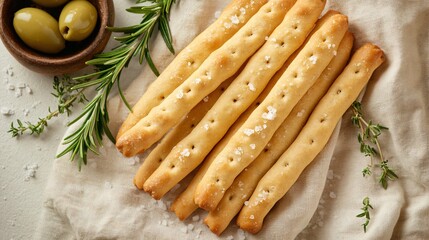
[75, 54]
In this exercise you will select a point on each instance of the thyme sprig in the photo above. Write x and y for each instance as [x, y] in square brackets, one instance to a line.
[370, 146]
[365, 212]
[93, 121]
[66, 97]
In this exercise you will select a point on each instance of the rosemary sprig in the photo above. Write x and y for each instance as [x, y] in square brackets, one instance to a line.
[94, 119]
[365, 212]
[370, 146]
[66, 98]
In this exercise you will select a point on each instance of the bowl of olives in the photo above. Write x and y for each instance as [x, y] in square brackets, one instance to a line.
[55, 36]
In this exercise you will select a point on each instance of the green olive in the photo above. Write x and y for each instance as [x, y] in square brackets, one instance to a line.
[38, 30]
[77, 20]
[50, 3]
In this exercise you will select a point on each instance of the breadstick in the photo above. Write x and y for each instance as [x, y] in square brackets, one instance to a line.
[264, 121]
[190, 58]
[243, 186]
[184, 205]
[219, 66]
[160, 152]
[237, 98]
[313, 137]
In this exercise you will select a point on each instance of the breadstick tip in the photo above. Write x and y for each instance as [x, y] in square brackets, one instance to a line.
[214, 226]
[250, 226]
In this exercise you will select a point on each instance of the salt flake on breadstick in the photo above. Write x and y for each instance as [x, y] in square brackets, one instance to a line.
[188, 60]
[294, 83]
[220, 65]
[313, 137]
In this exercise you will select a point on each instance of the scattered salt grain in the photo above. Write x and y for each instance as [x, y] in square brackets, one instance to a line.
[271, 114]
[252, 146]
[11, 87]
[179, 95]
[335, 53]
[266, 38]
[241, 234]
[252, 216]
[251, 87]
[164, 222]
[229, 238]
[197, 80]
[243, 11]
[240, 184]
[235, 20]
[18, 92]
[248, 131]
[9, 71]
[108, 185]
[246, 203]
[267, 58]
[332, 195]
[30, 171]
[195, 218]
[300, 113]
[206, 99]
[185, 153]
[22, 85]
[258, 128]
[313, 59]
[206, 126]
[238, 151]
[217, 14]
[227, 25]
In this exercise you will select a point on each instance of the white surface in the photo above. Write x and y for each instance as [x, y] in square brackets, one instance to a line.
[101, 202]
[21, 201]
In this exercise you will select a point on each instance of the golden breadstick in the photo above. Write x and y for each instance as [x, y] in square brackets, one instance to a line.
[219, 66]
[313, 137]
[264, 121]
[286, 38]
[184, 204]
[190, 58]
[245, 183]
[160, 152]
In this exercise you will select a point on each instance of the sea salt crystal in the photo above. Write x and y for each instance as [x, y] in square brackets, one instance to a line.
[25, 112]
[29, 90]
[300, 113]
[185, 153]
[241, 234]
[258, 128]
[266, 38]
[9, 71]
[251, 87]
[240, 184]
[206, 126]
[22, 85]
[332, 195]
[30, 171]
[248, 131]
[273, 39]
[11, 87]
[252, 216]
[243, 11]
[267, 58]
[197, 80]
[235, 20]
[179, 94]
[252, 146]
[164, 222]
[271, 114]
[227, 25]
[206, 99]
[335, 53]
[195, 218]
[184, 229]
[229, 238]
[238, 151]
[217, 14]
[18, 92]
[313, 59]
[264, 126]
[189, 63]
[246, 203]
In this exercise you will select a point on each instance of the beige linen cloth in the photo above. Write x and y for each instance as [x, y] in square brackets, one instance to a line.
[101, 202]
